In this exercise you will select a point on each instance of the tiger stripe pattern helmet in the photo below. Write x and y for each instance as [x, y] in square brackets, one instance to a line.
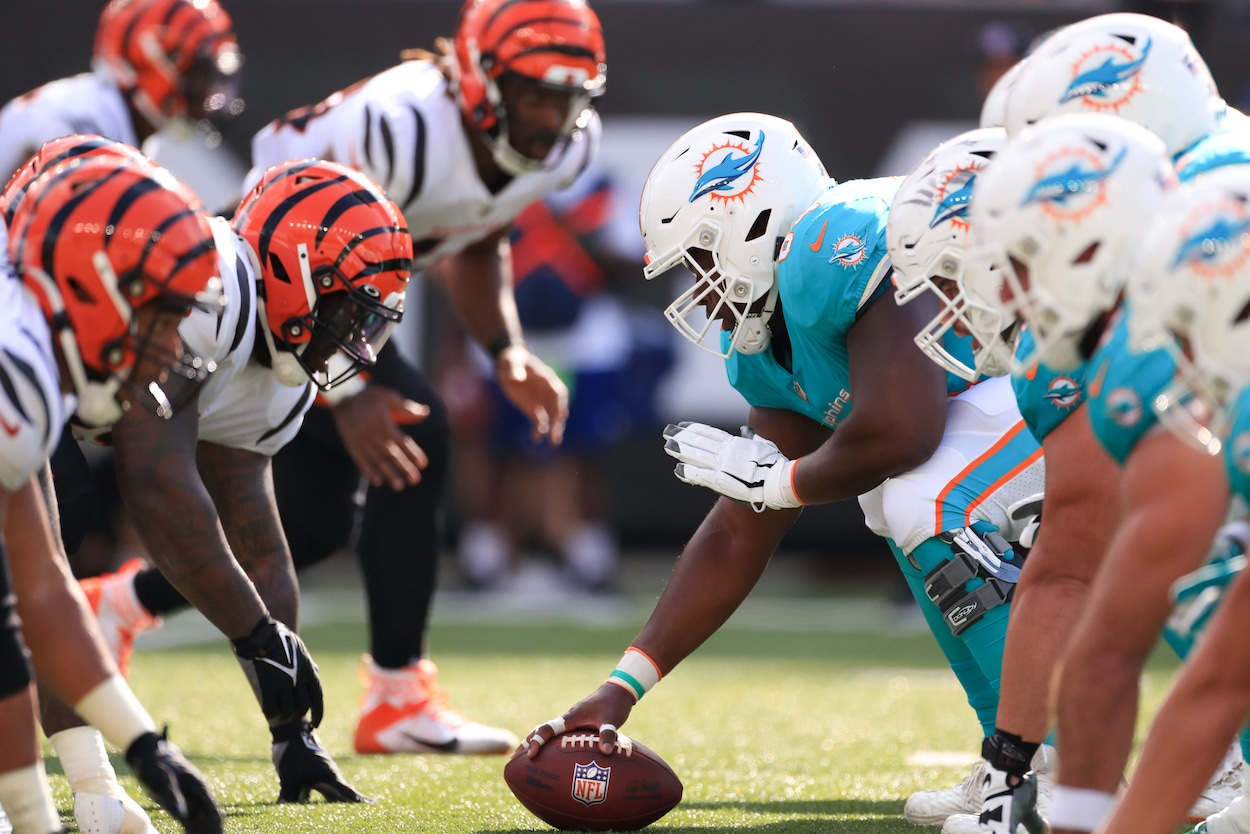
[557, 44]
[53, 153]
[94, 242]
[335, 257]
[175, 59]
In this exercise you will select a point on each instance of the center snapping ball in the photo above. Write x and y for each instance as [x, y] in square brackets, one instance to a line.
[572, 785]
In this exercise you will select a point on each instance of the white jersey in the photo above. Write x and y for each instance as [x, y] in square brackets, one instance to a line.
[87, 103]
[32, 408]
[242, 404]
[402, 128]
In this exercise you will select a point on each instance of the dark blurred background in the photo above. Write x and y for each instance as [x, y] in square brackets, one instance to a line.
[869, 83]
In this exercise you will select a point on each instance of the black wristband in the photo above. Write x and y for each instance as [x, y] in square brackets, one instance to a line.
[499, 344]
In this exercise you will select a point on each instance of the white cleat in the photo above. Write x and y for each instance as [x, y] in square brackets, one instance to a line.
[1225, 786]
[1234, 819]
[934, 807]
[98, 814]
[405, 711]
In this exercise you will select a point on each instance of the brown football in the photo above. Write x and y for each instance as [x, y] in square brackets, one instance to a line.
[571, 785]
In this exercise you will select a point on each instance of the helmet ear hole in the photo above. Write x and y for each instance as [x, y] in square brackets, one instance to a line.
[760, 226]
[278, 269]
[1087, 255]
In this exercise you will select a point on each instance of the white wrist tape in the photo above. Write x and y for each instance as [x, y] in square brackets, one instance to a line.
[1078, 809]
[636, 673]
[779, 487]
[113, 709]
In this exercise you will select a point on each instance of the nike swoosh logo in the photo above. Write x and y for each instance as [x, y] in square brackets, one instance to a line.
[442, 747]
[291, 667]
[815, 247]
[1095, 385]
[10, 430]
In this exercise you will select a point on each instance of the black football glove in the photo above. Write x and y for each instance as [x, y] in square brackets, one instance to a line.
[281, 672]
[174, 783]
[304, 766]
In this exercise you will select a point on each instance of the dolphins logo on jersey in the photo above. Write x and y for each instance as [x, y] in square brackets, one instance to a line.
[730, 177]
[1221, 244]
[1063, 392]
[1239, 452]
[1101, 82]
[1069, 185]
[848, 252]
[1124, 407]
[955, 195]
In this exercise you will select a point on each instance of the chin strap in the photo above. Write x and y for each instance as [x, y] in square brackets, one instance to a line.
[753, 335]
[285, 366]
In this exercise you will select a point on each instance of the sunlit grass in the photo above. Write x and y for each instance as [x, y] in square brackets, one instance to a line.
[792, 732]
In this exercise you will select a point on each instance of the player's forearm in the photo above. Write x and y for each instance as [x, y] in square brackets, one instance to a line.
[241, 486]
[65, 646]
[180, 531]
[716, 571]
[479, 285]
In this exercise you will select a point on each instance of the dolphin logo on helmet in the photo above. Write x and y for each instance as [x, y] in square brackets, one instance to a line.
[955, 204]
[1097, 82]
[1218, 238]
[722, 175]
[1070, 182]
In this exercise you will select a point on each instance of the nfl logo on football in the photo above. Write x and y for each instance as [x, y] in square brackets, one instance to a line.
[590, 783]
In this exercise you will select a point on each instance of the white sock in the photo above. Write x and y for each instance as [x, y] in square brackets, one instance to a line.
[115, 711]
[27, 800]
[1078, 809]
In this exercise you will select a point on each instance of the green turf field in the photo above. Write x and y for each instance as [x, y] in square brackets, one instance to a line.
[773, 727]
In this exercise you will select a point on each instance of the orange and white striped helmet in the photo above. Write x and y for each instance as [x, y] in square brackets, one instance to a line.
[556, 44]
[335, 257]
[177, 60]
[95, 242]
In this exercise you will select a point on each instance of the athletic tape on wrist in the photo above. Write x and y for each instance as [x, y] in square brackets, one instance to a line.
[636, 673]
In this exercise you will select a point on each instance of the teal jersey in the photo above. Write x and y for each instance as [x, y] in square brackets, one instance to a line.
[1121, 387]
[832, 265]
[1123, 384]
[1046, 397]
[1237, 449]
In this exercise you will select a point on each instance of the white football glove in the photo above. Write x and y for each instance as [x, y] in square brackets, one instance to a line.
[748, 469]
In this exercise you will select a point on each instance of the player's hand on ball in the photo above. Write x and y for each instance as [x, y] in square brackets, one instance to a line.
[746, 468]
[604, 711]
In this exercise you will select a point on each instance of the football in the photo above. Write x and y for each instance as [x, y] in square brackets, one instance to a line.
[571, 785]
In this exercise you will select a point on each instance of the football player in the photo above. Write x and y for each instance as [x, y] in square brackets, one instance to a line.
[461, 140]
[1189, 296]
[158, 65]
[791, 286]
[316, 261]
[927, 239]
[1147, 71]
[91, 327]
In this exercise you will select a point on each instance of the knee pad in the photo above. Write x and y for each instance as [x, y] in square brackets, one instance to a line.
[981, 576]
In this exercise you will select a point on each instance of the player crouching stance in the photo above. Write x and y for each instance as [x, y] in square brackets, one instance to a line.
[792, 272]
[91, 327]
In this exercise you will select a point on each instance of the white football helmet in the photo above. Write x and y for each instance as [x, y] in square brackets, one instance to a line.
[733, 187]
[928, 240]
[1132, 65]
[994, 108]
[1058, 213]
[1190, 293]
